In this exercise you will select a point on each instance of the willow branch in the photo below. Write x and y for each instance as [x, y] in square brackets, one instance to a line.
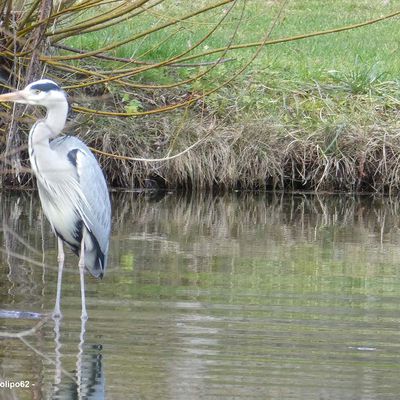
[27, 16]
[97, 21]
[108, 23]
[160, 64]
[187, 102]
[138, 62]
[51, 18]
[211, 91]
[131, 72]
[137, 36]
[149, 160]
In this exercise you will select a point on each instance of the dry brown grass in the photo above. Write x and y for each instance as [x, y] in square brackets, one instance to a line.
[314, 138]
[251, 154]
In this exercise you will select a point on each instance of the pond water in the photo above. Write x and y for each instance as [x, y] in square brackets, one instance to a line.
[245, 296]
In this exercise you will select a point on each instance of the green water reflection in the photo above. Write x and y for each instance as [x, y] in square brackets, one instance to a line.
[236, 296]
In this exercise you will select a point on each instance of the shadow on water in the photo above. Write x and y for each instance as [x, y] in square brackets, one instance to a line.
[238, 295]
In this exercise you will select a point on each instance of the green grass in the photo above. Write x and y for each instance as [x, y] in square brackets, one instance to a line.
[305, 75]
[314, 58]
[305, 60]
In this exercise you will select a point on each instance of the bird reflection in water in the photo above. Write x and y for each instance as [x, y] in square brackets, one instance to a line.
[87, 381]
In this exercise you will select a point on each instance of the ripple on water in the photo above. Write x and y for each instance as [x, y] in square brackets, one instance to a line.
[243, 297]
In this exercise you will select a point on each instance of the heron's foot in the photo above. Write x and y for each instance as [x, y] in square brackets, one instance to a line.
[84, 316]
[56, 314]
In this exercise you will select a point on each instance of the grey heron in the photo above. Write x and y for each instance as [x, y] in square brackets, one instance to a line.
[72, 188]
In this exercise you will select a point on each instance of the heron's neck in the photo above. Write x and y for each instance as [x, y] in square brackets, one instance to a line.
[40, 153]
[51, 126]
[56, 117]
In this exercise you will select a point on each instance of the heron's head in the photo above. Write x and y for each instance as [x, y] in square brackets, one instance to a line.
[43, 93]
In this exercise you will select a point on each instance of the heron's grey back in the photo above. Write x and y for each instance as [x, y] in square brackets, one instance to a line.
[97, 207]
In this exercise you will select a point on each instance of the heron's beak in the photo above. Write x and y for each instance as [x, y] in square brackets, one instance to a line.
[13, 96]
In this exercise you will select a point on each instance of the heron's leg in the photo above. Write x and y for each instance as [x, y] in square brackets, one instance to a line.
[84, 315]
[60, 258]
[80, 368]
[57, 350]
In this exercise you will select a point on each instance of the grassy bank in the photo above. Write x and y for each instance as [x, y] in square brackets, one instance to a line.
[316, 114]
[314, 136]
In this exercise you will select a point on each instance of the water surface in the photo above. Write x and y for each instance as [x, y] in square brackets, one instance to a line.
[252, 296]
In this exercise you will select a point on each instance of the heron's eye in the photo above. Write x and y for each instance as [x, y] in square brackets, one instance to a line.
[36, 91]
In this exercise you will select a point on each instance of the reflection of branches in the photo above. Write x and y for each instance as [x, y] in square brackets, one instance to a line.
[226, 216]
[47, 358]
[28, 332]
[19, 238]
[86, 379]
[25, 258]
[22, 336]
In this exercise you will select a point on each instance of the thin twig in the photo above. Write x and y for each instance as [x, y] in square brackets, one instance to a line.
[47, 358]
[27, 259]
[6, 228]
[134, 61]
[27, 332]
[127, 158]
